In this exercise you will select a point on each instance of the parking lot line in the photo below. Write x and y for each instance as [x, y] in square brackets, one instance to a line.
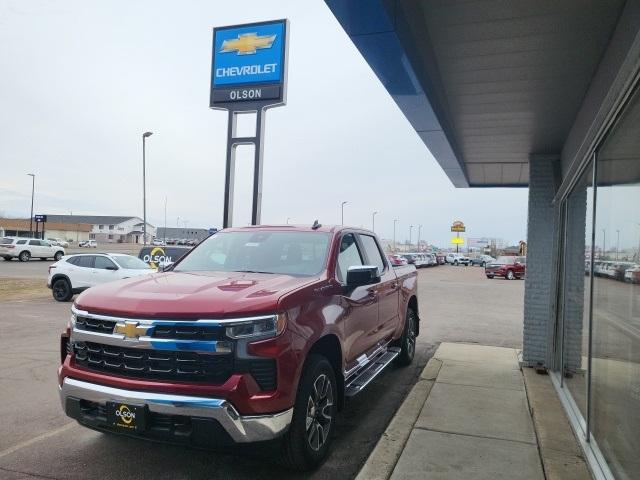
[39, 438]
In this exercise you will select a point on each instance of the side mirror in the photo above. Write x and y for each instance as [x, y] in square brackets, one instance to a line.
[112, 267]
[362, 275]
[166, 267]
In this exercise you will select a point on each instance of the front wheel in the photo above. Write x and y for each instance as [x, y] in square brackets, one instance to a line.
[408, 339]
[455, 264]
[489, 276]
[306, 445]
[510, 275]
[57, 256]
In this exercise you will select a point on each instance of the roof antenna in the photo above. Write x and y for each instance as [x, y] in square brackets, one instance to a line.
[316, 225]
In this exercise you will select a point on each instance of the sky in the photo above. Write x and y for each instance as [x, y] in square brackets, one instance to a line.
[82, 80]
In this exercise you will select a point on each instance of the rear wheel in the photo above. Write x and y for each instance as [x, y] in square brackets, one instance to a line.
[61, 290]
[57, 256]
[24, 256]
[455, 263]
[509, 275]
[306, 445]
[8, 259]
[408, 339]
[489, 276]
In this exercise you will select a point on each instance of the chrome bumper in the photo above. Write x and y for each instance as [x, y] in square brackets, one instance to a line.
[242, 429]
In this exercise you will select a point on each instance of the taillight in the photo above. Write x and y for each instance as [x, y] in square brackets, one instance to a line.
[50, 268]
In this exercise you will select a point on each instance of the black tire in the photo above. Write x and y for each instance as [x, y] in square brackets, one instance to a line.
[24, 256]
[8, 259]
[61, 290]
[408, 339]
[455, 264]
[58, 256]
[489, 276]
[510, 275]
[306, 444]
[484, 264]
[42, 259]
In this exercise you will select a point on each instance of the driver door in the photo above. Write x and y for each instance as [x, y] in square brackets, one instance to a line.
[360, 303]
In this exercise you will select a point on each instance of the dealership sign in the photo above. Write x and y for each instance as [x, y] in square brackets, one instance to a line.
[249, 64]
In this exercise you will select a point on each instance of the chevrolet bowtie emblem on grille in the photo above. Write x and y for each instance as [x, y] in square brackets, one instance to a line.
[131, 330]
[247, 43]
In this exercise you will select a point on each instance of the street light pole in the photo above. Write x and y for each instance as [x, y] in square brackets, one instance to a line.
[419, 232]
[33, 188]
[144, 185]
[394, 233]
[410, 231]
[617, 244]
[165, 221]
[342, 208]
[373, 222]
[604, 243]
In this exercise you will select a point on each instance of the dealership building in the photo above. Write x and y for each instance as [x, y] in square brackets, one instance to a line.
[541, 95]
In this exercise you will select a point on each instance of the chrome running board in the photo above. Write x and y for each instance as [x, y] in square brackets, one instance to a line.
[367, 372]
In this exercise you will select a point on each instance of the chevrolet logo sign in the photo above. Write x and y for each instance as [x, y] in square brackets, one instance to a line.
[131, 330]
[247, 43]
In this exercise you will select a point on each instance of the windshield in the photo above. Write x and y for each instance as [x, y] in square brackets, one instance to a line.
[127, 261]
[290, 253]
[6, 241]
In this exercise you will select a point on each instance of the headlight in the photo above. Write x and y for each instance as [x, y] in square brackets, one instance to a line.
[270, 326]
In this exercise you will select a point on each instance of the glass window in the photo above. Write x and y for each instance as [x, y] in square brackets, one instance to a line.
[85, 261]
[576, 281]
[127, 261]
[103, 263]
[35, 243]
[21, 242]
[349, 256]
[286, 252]
[615, 377]
[6, 241]
[373, 252]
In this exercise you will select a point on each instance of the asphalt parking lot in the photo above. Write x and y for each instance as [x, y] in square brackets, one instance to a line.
[38, 441]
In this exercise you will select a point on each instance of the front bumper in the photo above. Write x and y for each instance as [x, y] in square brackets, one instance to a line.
[241, 429]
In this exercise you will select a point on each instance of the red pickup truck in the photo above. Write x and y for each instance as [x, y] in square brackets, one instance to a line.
[259, 333]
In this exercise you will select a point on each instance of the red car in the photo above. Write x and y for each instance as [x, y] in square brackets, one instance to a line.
[397, 260]
[507, 267]
[258, 333]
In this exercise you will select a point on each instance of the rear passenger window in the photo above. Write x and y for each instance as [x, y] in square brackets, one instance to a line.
[372, 251]
[86, 261]
[349, 256]
[21, 242]
[35, 243]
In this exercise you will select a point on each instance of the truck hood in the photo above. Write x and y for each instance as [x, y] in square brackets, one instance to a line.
[191, 294]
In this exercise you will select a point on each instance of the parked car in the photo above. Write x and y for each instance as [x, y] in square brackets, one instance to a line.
[58, 242]
[441, 258]
[419, 259]
[157, 242]
[409, 257]
[482, 260]
[397, 260]
[433, 260]
[75, 273]
[632, 275]
[457, 259]
[508, 267]
[88, 244]
[255, 335]
[26, 248]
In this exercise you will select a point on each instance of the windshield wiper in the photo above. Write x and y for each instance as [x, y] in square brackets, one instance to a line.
[253, 271]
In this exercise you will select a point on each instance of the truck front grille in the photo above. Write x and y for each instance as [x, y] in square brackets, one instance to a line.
[154, 364]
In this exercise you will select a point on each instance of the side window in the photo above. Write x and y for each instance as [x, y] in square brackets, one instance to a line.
[349, 256]
[73, 260]
[35, 243]
[103, 263]
[85, 261]
[373, 252]
[21, 242]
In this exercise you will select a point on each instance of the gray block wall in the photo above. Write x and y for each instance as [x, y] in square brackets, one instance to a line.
[540, 286]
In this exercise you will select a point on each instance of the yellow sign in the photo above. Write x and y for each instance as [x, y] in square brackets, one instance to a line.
[458, 226]
[247, 43]
[457, 240]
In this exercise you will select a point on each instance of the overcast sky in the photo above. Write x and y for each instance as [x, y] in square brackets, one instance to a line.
[81, 80]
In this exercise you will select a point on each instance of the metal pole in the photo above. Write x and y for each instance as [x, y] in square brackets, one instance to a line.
[394, 233]
[410, 231]
[373, 222]
[165, 221]
[342, 209]
[144, 187]
[617, 244]
[33, 187]
[604, 242]
[419, 232]
[257, 170]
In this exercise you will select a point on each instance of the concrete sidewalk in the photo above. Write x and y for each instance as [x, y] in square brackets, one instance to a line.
[467, 417]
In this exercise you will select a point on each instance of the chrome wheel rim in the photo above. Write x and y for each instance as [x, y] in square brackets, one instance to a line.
[319, 409]
[411, 336]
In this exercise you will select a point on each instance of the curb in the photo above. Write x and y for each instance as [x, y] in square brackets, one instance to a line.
[385, 455]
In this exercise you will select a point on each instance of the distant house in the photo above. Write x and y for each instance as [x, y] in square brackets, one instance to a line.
[19, 227]
[109, 229]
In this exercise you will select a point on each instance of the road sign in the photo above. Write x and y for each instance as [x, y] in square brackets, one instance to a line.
[457, 240]
[249, 64]
[458, 226]
[40, 218]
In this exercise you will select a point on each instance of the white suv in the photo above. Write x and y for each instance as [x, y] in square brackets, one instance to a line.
[25, 248]
[457, 259]
[76, 273]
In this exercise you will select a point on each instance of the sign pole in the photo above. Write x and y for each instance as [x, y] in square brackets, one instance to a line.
[229, 176]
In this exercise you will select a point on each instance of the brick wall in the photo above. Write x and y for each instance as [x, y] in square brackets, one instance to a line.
[540, 292]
